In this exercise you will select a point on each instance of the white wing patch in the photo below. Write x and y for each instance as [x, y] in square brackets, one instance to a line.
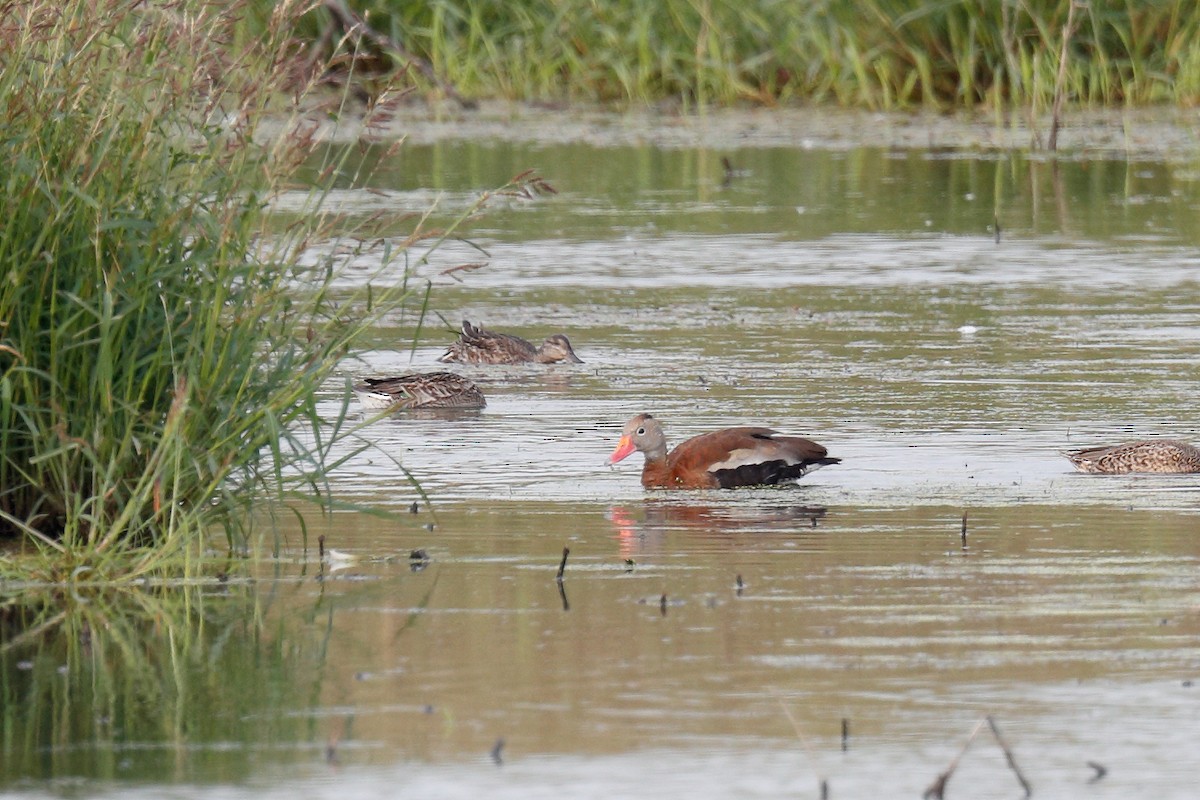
[746, 456]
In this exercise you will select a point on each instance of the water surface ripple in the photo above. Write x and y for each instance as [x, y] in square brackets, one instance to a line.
[703, 644]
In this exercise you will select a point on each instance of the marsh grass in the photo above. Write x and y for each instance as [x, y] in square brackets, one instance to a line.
[162, 337]
[876, 53]
[150, 347]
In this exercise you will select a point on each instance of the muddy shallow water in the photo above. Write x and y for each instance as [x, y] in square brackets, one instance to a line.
[709, 643]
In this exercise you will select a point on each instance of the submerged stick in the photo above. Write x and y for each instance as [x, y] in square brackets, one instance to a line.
[1008, 756]
[727, 165]
[937, 789]
[562, 565]
[562, 594]
[331, 744]
[964, 531]
[845, 734]
[807, 750]
[497, 749]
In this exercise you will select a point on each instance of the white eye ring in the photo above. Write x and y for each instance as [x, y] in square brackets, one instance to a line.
[641, 431]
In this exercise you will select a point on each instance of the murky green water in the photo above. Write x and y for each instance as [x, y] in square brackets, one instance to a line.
[857, 296]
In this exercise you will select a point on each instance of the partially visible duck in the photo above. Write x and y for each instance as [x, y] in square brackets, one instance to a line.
[724, 459]
[1150, 455]
[478, 345]
[429, 390]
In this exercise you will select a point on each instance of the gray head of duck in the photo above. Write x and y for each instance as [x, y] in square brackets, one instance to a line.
[557, 348]
[644, 433]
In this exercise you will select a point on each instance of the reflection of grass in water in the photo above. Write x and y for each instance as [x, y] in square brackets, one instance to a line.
[183, 683]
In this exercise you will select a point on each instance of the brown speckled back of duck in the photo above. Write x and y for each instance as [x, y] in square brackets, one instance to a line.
[478, 345]
[428, 390]
[1151, 455]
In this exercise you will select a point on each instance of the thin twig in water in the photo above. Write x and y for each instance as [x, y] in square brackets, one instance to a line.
[804, 744]
[1008, 756]
[937, 789]
[331, 744]
[727, 165]
[562, 565]
[497, 750]
[1100, 769]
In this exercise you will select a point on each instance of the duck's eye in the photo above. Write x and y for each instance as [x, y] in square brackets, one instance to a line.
[641, 431]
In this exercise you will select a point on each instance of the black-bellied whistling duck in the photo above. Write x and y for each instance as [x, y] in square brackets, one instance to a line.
[478, 345]
[428, 390]
[724, 459]
[1152, 455]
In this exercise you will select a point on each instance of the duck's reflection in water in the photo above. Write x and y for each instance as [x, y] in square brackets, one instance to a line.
[645, 528]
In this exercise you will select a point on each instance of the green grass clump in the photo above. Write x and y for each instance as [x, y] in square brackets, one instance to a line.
[872, 53]
[158, 352]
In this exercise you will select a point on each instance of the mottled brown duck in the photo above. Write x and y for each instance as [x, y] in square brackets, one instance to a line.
[428, 390]
[478, 345]
[1148, 455]
[724, 459]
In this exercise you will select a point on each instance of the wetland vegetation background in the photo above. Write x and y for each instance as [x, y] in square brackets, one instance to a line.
[878, 54]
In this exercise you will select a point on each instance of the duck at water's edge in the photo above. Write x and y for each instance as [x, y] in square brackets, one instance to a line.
[1150, 455]
[477, 345]
[724, 459]
[429, 390]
